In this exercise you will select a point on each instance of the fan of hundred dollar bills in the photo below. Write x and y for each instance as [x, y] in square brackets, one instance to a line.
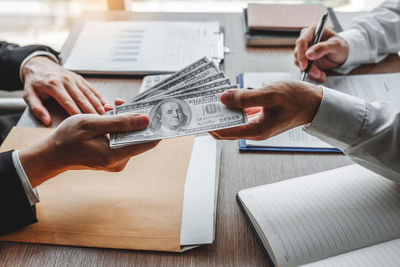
[186, 102]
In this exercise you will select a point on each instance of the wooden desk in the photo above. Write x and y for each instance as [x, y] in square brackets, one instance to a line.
[235, 244]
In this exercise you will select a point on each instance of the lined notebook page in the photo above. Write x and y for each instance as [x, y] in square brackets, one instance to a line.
[325, 214]
[384, 254]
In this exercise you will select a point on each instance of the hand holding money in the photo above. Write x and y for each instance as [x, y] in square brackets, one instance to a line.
[185, 103]
[271, 110]
[80, 142]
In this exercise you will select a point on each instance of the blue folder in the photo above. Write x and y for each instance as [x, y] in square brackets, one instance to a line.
[243, 146]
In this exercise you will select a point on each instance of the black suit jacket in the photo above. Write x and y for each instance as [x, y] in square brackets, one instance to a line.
[15, 209]
[11, 57]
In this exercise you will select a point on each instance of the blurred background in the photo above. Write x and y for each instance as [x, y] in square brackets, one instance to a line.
[49, 21]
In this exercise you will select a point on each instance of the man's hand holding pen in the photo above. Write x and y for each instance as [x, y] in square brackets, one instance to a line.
[331, 52]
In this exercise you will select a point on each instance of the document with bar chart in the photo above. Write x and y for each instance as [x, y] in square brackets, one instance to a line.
[138, 48]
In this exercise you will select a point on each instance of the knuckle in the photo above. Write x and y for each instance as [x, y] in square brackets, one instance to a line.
[304, 31]
[243, 99]
[299, 41]
[35, 109]
[52, 82]
[68, 103]
[120, 121]
[336, 42]
[65, 78]
[25, 96]
[81, 99]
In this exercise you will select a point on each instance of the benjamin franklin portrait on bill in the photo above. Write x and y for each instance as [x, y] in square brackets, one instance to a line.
[169, 117]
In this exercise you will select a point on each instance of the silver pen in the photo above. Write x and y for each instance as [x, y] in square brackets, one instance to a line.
[317, 37]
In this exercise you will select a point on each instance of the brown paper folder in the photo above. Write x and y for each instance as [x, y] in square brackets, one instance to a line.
[283, 16]
[138, 208]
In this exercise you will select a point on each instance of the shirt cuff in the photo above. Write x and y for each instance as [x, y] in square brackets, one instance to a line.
[358, 50]
[339, 119]
[36, 54]
[32, 193]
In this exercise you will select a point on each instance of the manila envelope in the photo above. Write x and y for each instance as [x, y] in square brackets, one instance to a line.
[138, 208]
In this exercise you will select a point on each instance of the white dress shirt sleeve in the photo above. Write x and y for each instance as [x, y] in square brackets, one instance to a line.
[369, 133]
[36, 54]
[373, 36]
[32, 193]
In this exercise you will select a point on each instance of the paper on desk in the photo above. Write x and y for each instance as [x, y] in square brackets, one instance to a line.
[138, 208]
[201, 188]
[370, 87]
[128, 47]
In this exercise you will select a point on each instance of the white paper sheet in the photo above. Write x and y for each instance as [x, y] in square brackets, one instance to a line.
[200, 197]
[126, 47]
[371, 87]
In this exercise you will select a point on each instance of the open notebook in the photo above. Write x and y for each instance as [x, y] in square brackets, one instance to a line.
[371, 87]
[348, 216]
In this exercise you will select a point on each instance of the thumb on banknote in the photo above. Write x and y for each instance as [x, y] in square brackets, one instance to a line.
[242, 98]
[116, 124]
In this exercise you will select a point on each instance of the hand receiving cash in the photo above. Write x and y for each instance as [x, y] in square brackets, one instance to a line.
[184, 103]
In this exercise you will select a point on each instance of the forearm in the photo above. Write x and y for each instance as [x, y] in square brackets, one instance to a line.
[373, 36]
[369, 133]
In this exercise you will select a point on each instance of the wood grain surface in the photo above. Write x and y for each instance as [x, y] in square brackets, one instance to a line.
[235, 244]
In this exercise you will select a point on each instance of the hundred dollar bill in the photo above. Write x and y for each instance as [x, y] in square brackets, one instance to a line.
[195, 90]
[213, 78]
[197, 74]
[178, 116]
[215, 85]
[150, 80]
[176, 75]
[208, 86]
[198, 82]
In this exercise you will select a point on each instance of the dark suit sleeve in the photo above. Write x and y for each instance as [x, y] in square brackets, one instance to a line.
[15, 209]
[11, 57]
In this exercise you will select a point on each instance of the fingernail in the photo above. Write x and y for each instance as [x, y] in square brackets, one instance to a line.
[303, 65]
[227, 96]
[108, 106]
[45, 119]
[118, 100]
[141, 120]
[311, 53]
